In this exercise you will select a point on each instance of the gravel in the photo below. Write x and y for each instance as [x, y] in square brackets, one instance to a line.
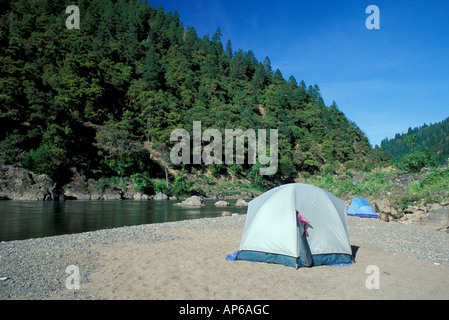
[36, 268]
[410, 239]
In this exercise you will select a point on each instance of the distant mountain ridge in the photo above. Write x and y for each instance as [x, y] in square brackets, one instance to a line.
[433, 138]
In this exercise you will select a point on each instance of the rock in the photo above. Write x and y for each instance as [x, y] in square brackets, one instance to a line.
[112, 194]
[384, 216]
[160, 196]
[130, 192]
[172, 198]
[193, 201]
[415, 209]
[358, 177]
[141, 196]
[20, 184]
[138, 196]
[381, 205]
[434, 207]
[225, 213]
[413, 214]
[341, 177]
[221, 203]
[411, 210]
[77, 188]
[394, 214]
[413, 217]
[438, 220]
[385, 210]
[94, 189]
[422, 207]
[445, 202]
[241, 203]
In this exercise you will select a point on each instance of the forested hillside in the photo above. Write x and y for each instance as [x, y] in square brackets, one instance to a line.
[432, 140]
[105, 98]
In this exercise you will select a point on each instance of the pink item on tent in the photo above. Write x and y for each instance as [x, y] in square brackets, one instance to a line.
[303, 220]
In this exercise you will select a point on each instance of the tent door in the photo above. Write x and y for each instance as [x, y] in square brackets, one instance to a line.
[305, 255]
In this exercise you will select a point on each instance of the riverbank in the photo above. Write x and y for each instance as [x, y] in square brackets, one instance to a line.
[186, 260]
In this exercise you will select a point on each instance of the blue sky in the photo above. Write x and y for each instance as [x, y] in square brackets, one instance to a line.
[385, 80]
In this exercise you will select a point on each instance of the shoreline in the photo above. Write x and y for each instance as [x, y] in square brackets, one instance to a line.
[186, 260]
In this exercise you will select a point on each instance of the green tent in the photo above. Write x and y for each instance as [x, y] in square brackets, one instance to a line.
[297, 225]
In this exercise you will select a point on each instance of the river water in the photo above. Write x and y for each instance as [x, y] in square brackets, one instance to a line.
[21, 220]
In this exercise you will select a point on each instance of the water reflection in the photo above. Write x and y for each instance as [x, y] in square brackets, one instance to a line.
[30, 219]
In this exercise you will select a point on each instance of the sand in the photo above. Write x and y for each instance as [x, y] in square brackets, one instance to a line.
[193, 267]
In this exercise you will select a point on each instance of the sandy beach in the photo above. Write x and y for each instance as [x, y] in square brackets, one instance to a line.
[193, 266]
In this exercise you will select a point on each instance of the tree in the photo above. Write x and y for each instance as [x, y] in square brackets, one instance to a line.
[52, 152]
[229, 52]
[120, 151]
[152, 70]
[267, 65]
[292, 82]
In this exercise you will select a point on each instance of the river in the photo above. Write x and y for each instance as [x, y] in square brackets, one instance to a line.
[21, 220]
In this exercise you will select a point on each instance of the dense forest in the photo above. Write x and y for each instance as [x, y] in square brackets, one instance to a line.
[425, 146]
[105, 98]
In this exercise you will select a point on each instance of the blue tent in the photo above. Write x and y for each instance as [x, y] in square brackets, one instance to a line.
[359, 207]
